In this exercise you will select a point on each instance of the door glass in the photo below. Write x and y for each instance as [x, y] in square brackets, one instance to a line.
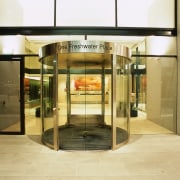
[71, 101]
[84, 99]
[79, 91]
[121, 102]
[10, 117]
[32, 91]
[48, 103]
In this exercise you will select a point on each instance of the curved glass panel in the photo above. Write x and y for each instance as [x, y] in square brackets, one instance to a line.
[121, 100]
[85, 95]
[48, 101]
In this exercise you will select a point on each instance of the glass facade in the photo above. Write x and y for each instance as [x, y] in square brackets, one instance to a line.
[85, 13]
[130, 13]
[26, 13]
[153, 72]
[146, 13]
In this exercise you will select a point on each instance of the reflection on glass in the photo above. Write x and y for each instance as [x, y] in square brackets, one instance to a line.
[122, 100]
[87, 94]
[47, 102]
[32, 92]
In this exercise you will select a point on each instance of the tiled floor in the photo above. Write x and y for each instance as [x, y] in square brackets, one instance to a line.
[152, 153]
[144, 157]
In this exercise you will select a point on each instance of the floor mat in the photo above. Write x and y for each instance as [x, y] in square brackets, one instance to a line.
[85, 137]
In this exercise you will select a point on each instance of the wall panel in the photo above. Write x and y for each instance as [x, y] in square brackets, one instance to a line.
[85, 13]
[26, 13]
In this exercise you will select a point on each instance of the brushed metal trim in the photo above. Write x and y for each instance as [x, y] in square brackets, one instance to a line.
[55, 99]
[84, 46]
[113, 103]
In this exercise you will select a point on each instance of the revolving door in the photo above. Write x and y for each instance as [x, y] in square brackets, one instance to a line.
[85, 95]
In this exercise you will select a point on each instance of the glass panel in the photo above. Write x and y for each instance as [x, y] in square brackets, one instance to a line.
[138, 86]
[49, 107]
[72, 111]
[27, 13]
[10, 119]
[84, 101]
[62, 98]
[122, 100]
[85, 13]
[32, 88]
[146, 13]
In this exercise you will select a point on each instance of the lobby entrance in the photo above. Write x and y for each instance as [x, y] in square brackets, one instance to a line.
[84, 95]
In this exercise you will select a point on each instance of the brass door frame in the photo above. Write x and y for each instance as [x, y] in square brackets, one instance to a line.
[97, 47]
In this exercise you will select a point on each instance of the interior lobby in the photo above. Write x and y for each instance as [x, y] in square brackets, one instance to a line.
[89, 95]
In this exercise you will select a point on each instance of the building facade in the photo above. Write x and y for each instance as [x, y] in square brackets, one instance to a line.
[150, 28]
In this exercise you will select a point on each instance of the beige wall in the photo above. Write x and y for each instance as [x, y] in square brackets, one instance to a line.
[161, 81]
[161, 91]
[153, 90]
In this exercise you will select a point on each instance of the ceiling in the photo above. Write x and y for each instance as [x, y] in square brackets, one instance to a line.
[34, 43]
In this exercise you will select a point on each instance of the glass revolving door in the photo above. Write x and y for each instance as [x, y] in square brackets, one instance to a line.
[85, 95]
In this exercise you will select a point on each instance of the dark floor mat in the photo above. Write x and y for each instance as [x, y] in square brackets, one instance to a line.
[85, 138]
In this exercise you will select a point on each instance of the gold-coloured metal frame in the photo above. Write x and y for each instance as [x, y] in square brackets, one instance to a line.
[49, 54]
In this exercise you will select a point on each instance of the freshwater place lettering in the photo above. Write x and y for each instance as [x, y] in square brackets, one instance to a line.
[84, 46]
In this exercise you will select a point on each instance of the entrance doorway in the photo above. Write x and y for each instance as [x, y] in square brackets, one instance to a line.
[85, 95]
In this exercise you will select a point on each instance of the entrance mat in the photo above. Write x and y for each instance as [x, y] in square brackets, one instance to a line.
[74, 137]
